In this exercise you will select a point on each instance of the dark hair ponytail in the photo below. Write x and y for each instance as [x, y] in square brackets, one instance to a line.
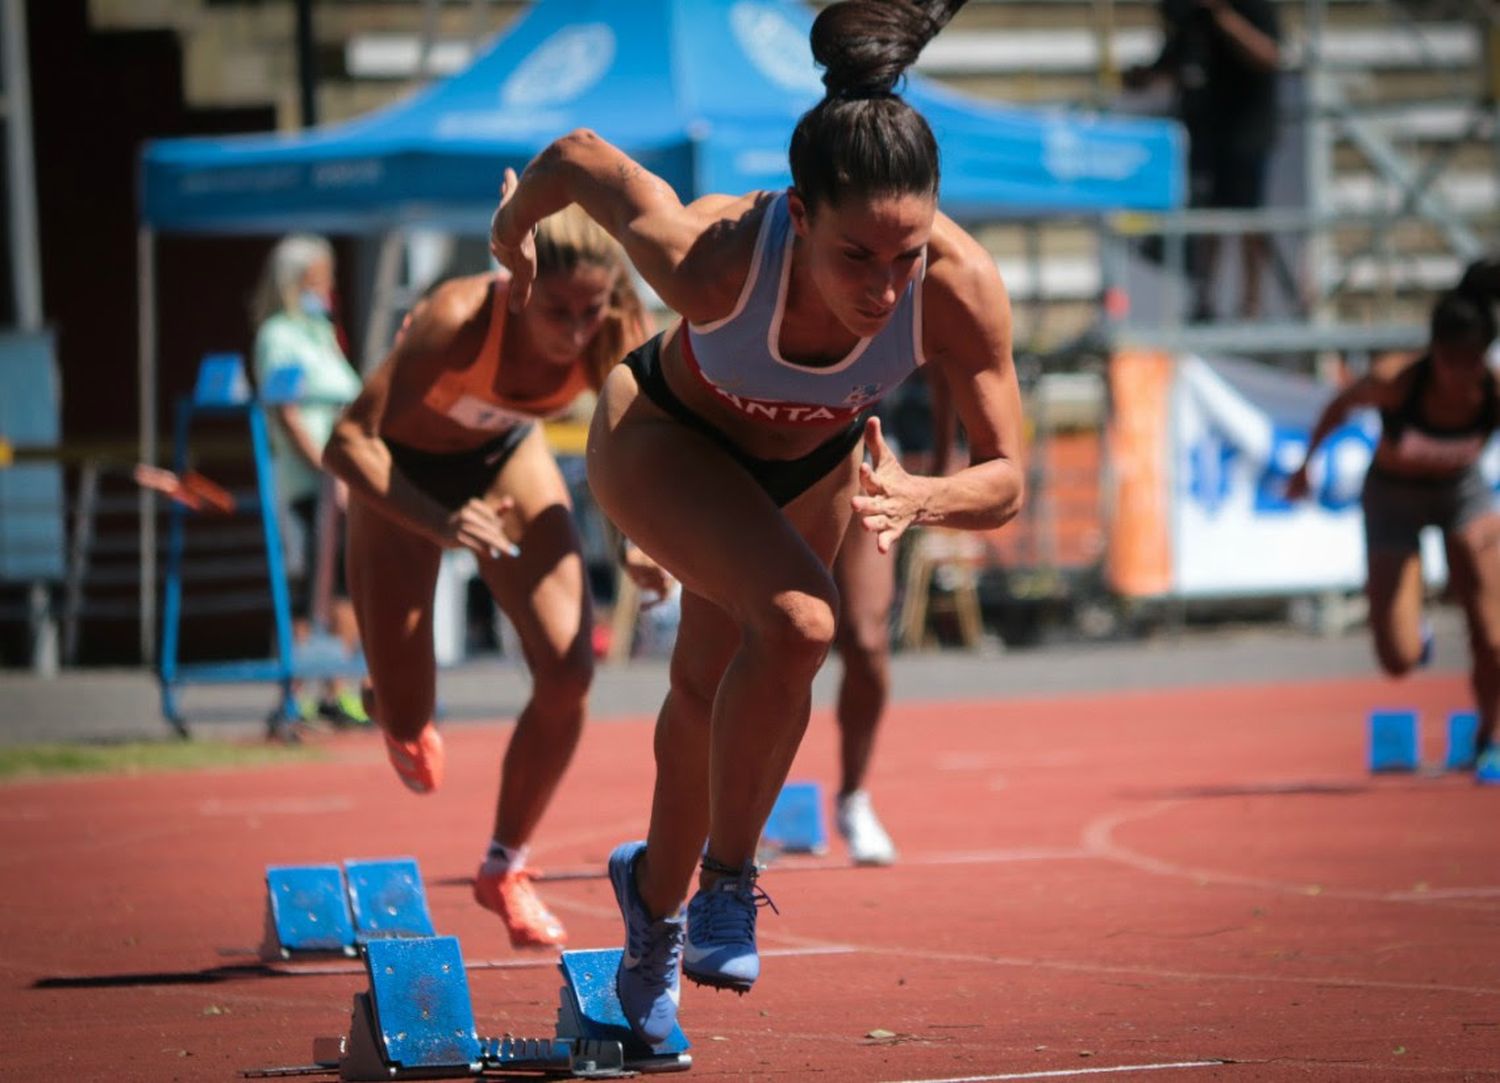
[862, 139]
[1465, 315]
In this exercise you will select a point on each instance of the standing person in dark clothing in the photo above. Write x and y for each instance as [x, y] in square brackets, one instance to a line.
[1222, 55]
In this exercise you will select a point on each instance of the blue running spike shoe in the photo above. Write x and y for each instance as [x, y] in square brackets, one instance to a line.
[646, 981]
[720, 949]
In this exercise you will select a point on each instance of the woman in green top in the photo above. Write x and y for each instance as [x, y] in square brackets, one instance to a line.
[293, 315]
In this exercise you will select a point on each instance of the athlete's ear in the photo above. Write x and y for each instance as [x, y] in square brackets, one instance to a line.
[797, 208]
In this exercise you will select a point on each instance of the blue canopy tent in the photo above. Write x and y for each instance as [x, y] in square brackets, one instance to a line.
[702, 92]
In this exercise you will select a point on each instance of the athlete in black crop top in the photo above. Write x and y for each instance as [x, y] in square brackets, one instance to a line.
[1421, 444]
[1437, 413]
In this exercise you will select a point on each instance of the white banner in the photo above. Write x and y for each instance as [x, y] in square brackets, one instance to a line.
[1239, 429]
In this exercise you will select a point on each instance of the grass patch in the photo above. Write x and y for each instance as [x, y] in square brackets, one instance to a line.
[139, 757]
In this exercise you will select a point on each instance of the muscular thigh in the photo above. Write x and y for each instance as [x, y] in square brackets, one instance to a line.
[866, 578]
[1474, 569]
[542, 590]
[679, 496]
[392, 573]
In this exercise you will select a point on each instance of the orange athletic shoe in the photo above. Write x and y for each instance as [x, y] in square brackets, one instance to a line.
[526, 917]
[419, 763]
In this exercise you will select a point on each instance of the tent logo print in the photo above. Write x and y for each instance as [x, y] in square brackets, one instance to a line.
[1070, 155]
[774, 45]
[563, 67]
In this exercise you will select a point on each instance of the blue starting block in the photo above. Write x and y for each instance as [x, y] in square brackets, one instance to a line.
[1393, 741]
[416, 1021]
[307, 910]
[387, 899]
[1463, 731]
[320, 909]
[590, 1011]
[796, 824]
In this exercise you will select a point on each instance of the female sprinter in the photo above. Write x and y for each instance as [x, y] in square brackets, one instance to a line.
[1436, 414]
[441, 450]
[729, 449]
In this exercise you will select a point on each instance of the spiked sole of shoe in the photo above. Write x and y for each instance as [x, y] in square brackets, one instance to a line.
[719, 984]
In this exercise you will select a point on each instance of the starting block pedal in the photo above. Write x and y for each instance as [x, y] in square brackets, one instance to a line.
[416, 1021]
[321, 909]
[1393, 741]
[590, 1012]
[796, 824]
[387, 899]
[1463, 731]
[307, 911]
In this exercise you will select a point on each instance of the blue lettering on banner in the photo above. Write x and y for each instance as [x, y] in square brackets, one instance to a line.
[1212, 462]
[1287, 449]
[1210, 470]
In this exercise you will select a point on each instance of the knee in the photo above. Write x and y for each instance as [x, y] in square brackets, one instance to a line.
[692, 689]
[403, 712]
[1484, 650]
[564, 680]
[1394, 661]
[797, 627]
[865, 642]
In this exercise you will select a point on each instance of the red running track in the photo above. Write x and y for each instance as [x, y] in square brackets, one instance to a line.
[1148, 882]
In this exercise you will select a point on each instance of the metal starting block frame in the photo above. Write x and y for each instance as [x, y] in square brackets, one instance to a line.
[323, 909]
[416, 1021]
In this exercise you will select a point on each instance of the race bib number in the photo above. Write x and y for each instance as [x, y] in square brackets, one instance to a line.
[474, 413]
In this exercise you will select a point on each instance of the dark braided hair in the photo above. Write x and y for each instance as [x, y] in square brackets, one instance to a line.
[862, 139]
[1465, 315]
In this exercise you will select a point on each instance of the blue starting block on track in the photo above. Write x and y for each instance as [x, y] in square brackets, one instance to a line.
[796, 824]
[416, 1021]
[387, 899]
[307, 910]
[1395, 738]
[590, 1011]
[1393, 741]
[320, 909]
[1463, 731]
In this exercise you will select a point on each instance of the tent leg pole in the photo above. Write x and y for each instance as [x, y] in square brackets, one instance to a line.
[382, 300]
[146, 388]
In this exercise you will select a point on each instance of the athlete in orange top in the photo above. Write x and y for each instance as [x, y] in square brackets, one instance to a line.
[441, 450]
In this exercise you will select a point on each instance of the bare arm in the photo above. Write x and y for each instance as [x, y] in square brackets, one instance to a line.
[966, 331]
[1375, 390]
[969, 317]
[638, 208]
[1380, 389]
[944, 422]
[358, 456]
[1254, 45]
[290, 419]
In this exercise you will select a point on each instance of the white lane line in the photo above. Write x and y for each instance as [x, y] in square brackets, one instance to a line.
[285, 806]
[1069, 967]
[1098, 839]
[305, 970]
[950, 857]
[1063, 1073]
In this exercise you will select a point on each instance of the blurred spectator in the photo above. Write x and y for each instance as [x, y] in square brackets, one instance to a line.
[1222, 56]
[293, 311]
